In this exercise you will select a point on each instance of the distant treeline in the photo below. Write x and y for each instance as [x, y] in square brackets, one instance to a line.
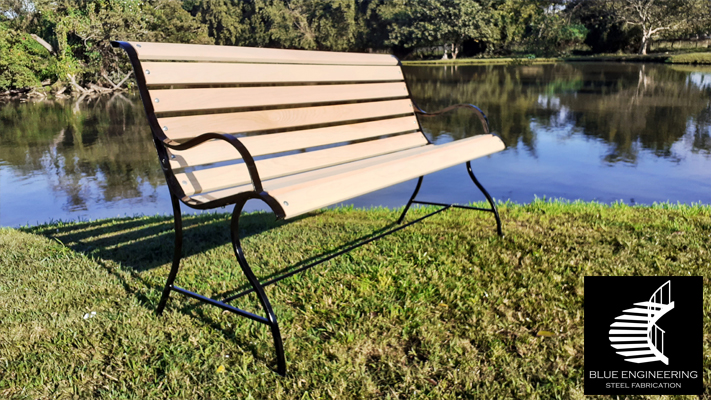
[62, 46]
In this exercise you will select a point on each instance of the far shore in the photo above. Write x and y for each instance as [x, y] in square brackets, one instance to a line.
[680, 58]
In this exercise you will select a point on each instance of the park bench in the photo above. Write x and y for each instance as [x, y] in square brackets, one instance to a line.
[213, 109]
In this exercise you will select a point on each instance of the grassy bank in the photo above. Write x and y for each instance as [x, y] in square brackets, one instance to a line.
[691, 58]
[442, 309]
[483, 61]
[682, 58]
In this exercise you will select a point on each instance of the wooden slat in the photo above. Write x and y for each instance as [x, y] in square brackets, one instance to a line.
[196, 52]
[173, 73]
[290, 180]
[233, 175]
[314, 194]
[218, 150]
[181, 128]
[206, 99]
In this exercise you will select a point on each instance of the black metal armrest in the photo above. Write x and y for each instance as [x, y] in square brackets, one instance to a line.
[482, 117]
[236, 143]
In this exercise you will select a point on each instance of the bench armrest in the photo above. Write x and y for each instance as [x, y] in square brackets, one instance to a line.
[236, 143]
[482, 117]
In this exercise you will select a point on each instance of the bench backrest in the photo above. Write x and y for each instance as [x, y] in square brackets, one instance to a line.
[277, 101]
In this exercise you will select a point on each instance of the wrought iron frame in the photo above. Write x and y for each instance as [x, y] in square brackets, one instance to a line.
[177, 195]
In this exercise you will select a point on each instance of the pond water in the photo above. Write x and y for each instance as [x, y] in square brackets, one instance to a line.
[639, 133]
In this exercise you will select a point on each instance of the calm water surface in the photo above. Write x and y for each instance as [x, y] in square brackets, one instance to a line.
[640, 133]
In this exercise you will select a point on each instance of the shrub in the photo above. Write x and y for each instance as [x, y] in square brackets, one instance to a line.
[24, 63]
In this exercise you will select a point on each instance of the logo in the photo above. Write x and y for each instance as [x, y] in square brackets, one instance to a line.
[642, 338]
[636, 332]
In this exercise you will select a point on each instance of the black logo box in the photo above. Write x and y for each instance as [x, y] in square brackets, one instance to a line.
[606, 297]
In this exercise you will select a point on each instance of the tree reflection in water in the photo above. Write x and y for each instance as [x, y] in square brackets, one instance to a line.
[94, 151]
[629, 107]
[94, 158]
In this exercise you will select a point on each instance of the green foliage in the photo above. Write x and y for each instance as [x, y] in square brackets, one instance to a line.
[421, 23]
[554, 35]
[301, 24]
[317, 24]
[606, 33]
[227, 21]
[23, 61]
[514, 20]
[84, 31]
[80, 31]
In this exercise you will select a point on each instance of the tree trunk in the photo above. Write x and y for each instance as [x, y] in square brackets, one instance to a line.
[643, 46]
[455, 51]
[42, 42]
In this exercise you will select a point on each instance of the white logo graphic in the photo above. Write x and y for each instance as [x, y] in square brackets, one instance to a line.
[645, 340]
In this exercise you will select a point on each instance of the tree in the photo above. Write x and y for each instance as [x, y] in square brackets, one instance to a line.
[227, 21]
[301, 24]
[447, 23]
[554, 32]
[24, 63]
[653, 16]
[514, 19]
[79, 33]
[606, 32]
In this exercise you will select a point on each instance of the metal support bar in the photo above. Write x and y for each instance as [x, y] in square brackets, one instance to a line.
[412, 199]
[488, 198]
[493, 208]
[429, 203]
[258, 288]
[331, 256]
[221, 305]
[177, 254]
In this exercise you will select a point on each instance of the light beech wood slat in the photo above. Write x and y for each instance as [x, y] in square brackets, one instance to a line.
[181, 128]
[196, 52]
[218, 150]
[167, 100]
[173, 73]
[233, 175]
[311, 195]
[286, 181]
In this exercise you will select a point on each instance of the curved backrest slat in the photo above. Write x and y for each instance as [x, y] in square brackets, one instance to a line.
[168, 100]
[182, 128]
[197, 52]
[259, 145]
[193, 73]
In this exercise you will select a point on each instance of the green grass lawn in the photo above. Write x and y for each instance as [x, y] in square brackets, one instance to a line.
[691, 58]
[442, 309]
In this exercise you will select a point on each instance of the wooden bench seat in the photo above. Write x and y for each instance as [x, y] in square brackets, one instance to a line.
[321, 187]
[300, 130]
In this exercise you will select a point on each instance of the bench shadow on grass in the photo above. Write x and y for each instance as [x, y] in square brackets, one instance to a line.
[142, 244]
[139, 245]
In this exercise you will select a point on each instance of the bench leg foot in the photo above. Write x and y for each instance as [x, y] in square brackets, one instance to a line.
[258, 289]
[488, 198]
[176, 255]
[409, 203]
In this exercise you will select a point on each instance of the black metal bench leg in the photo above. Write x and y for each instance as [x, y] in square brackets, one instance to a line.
[409, 203]
[488, 198]
[176, 255]
[271, 317]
